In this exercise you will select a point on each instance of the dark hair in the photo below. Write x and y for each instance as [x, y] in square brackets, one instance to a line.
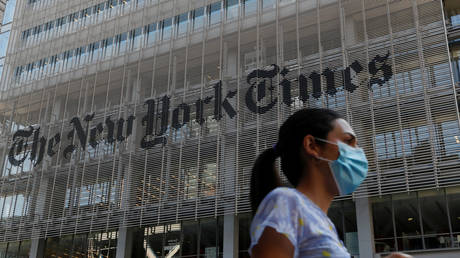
[264, 175]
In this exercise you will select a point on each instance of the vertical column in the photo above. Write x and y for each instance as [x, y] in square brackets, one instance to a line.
[126, 235]
[228, 175]
[365, 231]
[37, 246]
[230, 236]
[124, 242]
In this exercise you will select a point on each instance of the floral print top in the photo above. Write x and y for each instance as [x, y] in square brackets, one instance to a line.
[294, 215]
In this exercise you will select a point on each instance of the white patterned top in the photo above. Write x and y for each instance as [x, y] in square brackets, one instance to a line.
[294, 215]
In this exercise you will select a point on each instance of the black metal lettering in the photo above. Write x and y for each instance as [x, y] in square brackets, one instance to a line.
[316, 80]
[286, 85]
[386, 70]
[253, 80]
[94, 133]
[219, 103]
[347, 77]
[330, 82]
[54, 141]
[185, 116]
[303, 90]
[19, 144]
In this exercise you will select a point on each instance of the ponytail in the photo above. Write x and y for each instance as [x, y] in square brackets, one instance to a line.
[264, 177]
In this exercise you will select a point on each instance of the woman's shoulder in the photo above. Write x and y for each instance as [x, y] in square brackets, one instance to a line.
[284, 192]
[284, 195]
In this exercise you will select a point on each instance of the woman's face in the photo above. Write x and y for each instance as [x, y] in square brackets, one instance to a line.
[341, 131]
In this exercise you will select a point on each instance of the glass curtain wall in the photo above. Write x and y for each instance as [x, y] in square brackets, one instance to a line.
[416, 221]
[202, 238]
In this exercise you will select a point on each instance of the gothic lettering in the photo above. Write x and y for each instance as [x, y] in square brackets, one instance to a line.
[257, 79]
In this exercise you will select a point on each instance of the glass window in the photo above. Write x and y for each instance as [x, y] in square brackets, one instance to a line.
[3, 247]
[166, 29]
[7, 204]
[98, 244]
[121, 41]
[266, 4]
[451, 139]
[181, 23]
[172, 240]
[453, 199]
[190, 238]
[343, 215]
[13, 249]
[434, 218]
[136, 38]
[198, 18]
[208, 237]
[382, 215]
[24, 249]
[191, 183]
[154, 240]
[99, 8]
[208, 179]
[108, 47]
[441, 74]
[231, 8]
[151, 31]
[4, 43]
[9, 11]
[250, 7]
[244, 224]
[214, 13]
[407, 222]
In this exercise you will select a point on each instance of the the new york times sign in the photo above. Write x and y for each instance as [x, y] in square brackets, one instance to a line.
[261, 86]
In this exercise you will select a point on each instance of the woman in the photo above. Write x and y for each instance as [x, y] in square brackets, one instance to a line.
[321, 159]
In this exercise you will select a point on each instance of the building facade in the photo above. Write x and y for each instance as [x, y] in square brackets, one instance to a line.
[129, 127]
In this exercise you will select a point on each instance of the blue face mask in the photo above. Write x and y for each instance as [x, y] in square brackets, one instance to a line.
[350, 169]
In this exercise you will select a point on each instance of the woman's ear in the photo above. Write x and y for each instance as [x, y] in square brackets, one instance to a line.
[310, 146]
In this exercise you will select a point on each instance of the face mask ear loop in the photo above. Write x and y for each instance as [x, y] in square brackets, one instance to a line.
[321, 158]
[323, 140]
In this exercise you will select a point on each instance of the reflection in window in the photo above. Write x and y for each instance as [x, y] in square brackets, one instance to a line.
[100, 193]
[166, 29]
[208, 238]
[190, 238]
[268, 4]
[416, 144]
[382, 214]
[15, 249]
[198, 18]
[108, 47]
[453, 199]
[343, 215]
[13, 206]
[244, 224]
[214, 13]
[9, 11]
[150, 30]
[187, 239]
[407, 222]
[208, 180]
[434, 218]
[451, 139]
[231, 8]
[121, 42]
[191, 183]
[181, 23]
[4, 43]
[250, 7]
[136, 38]
[99, 244]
